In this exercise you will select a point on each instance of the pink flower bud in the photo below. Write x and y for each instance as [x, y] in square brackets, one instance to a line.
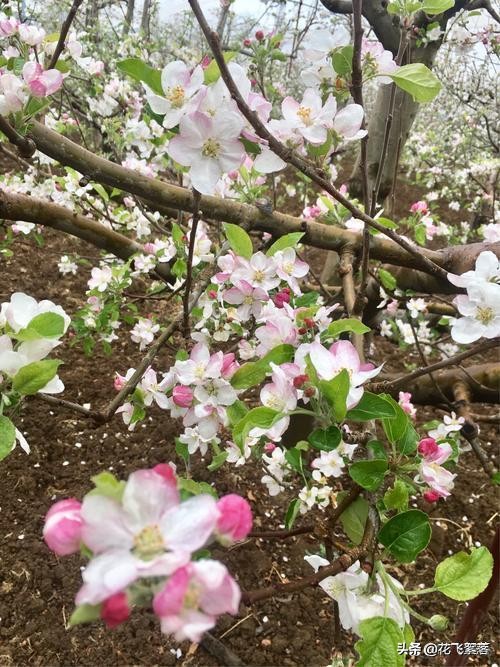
[119, 382]
[280, 298]
[300, 380]
[269, 447]
[115, 610]
[247, 42]
[235, 521]
[182, 396]
[229, 365]
[431, 496]
[212, 294]
[63, 527]
[206, 61]
[150, 248]
[166, 471]
[259, 35]
[427, 447]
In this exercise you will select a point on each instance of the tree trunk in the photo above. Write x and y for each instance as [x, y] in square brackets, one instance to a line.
[145, 20]
[129, 16]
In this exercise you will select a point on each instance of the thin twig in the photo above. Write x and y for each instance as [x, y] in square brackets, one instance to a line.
[189, 275]
[64, 33]
[388, 385]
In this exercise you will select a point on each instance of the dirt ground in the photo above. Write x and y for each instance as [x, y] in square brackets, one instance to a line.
[37, 588]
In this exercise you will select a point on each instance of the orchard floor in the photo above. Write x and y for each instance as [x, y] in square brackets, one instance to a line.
[37, 589]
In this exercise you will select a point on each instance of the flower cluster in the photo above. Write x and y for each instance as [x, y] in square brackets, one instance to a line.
[29, 331]
[211, 128]
[360, 596]
[142, 539]
[480, 307]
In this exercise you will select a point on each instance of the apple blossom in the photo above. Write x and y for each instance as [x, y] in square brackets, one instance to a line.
[100, 279]
[193, 597]
[179, 85]
[248, 299]
[149, 533]
[40, 82]
[21, 309]
[144, 332]
[13, 94]
[480, 309]
[31, 34]
[209, 146]
[311, 117]
[328, 464]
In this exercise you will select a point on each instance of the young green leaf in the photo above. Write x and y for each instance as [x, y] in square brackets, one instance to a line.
[292, 513]
[239, 240]
[396, 498]
[285, 241]
[463, 576]
[85, 613]
[406, 535]
[417, 80]
[217, 461]
[106, 484]
[325, 439]
[140, 71]
[433, 7]
[254, 372]
[371, 406]
[7, 436]
[212, 72]
[45, 325]
[379, 641]
[353, 519]
[335, 391]
[350, 324]
[342, 60]
[369, 474]
[33, 377]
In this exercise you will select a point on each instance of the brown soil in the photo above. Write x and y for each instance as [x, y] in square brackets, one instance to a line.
[37, 589]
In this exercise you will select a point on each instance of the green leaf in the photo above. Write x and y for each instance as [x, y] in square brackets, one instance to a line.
[106, 484]
[353, 519]
[341, 326]
[236, 412]
[7, 436]
[45, 325]
[379, 641]
[217, 461]
[85, 613]
[286, 241]
[433, 7]
[406, 535]
[195, 488]
[254, 372]
[496, 478]
[239, 240]
[387, 279]
[325, 439]
[294, 458]
[371, 406]
[417, 80]
[292, 513]
[399, 430]
[335, 391]
[369, 474]
[212, 72]
[33, 377]
[181, 449]
[342, 60]
[140, 71]
[396, 498]
[463, 576]
[260, 417]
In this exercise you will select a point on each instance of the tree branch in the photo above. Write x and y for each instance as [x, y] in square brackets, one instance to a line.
[64, 33]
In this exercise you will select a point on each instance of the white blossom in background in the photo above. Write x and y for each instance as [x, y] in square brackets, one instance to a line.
[67, 265]
[144, 332]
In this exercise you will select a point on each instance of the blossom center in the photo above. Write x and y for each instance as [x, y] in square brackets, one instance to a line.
[484, 314]
[248, 300]
[304, 113]
[149, 543]
[259, 276]
[211, 148]
[176, 96]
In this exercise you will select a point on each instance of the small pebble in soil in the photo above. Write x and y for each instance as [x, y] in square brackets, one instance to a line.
[477, 544]
[265, 619]
[464, 518]
[78, 444]
[20, 537]
[65, 463]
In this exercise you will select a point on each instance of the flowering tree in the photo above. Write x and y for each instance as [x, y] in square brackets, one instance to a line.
[176, 166]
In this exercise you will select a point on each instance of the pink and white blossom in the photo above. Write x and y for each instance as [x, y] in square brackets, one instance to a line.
[179, 85]
[149, 533]
[193, 597]
[62, 530]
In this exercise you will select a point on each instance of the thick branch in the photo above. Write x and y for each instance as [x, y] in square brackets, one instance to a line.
[16, 206]
[160, 194]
